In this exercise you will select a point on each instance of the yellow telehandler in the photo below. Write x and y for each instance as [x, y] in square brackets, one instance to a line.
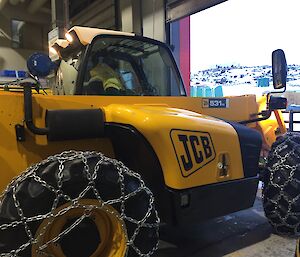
[93, 165]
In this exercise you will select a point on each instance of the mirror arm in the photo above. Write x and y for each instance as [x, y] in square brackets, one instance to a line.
[273, 92]
[265, 115]
[28, 112]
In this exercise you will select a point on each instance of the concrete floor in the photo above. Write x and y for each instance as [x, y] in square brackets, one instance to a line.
[242, 234]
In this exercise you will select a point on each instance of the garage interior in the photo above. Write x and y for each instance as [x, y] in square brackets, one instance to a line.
[28, 26]
[154, 19]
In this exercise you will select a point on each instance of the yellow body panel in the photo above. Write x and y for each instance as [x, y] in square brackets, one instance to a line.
[269, 128]
[156, 124]
[16, 156]
[153, 117]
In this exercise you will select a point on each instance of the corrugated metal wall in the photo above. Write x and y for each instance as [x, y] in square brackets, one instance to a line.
[100, 14]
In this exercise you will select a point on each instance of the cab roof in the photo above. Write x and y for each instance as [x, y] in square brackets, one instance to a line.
[86, 34]
[83, 36]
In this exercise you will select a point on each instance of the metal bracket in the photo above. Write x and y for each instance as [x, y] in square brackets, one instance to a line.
[20, 133]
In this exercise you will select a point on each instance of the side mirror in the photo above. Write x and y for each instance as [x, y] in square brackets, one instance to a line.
[279, 69]
[39, 65]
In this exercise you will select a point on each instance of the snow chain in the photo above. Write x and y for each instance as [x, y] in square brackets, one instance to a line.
[91, 175]
[282, 176]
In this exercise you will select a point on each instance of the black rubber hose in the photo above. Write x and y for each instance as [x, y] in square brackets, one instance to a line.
[265, 115]
[28, 112]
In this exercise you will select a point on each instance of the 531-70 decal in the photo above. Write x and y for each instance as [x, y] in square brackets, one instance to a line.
[193, 149]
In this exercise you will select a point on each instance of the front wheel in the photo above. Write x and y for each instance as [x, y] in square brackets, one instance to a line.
[281, 190]
[79, 204]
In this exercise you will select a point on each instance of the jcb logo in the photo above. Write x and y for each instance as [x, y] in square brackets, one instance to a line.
[193, 149]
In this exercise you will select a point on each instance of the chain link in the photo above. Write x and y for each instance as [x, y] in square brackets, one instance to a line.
[277, 170]
[73, 203]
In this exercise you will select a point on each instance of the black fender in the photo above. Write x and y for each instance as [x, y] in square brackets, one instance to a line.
[134, 150]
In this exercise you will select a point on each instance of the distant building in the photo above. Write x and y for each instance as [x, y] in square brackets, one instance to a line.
[218, 92]
[263, 82]
[206, 91]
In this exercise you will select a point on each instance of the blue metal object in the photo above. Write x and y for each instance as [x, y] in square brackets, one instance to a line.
[219, 91]
[208, 92]
[263, 82]
[293, 107]
[193, 91]
[200, 91]
[39, 64]
[13, 73]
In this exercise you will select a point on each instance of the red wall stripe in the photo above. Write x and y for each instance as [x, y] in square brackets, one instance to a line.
[184, 32]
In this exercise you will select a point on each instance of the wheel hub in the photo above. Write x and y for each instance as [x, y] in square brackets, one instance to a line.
[86, 233]
[101, 233]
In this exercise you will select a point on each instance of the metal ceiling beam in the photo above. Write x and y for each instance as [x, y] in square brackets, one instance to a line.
[60, 16]
[181, 8]
[137, 19]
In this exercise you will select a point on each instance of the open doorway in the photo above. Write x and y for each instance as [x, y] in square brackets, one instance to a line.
[231, 46]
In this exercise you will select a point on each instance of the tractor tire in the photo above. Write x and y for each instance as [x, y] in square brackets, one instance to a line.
[78, 204]
[281, 185]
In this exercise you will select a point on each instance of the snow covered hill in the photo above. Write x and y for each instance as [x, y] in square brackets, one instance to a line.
[241, 75]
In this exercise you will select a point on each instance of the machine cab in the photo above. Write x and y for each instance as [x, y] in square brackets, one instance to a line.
[101, 62]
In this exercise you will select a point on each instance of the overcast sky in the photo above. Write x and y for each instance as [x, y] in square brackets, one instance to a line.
[245, 32]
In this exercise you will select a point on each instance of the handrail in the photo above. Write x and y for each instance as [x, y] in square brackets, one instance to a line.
[291, 120]
[28, 111]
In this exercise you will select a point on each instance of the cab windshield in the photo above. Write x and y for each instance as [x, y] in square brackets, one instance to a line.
[119, 65]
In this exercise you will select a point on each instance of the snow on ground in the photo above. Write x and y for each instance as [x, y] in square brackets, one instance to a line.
[237, 80]
[244, 89]
[240, 80]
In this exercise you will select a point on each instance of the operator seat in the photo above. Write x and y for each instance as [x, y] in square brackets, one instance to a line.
[94, 87]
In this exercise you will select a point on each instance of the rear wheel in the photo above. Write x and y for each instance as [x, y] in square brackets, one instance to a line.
[79, 204]
[281, 191]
